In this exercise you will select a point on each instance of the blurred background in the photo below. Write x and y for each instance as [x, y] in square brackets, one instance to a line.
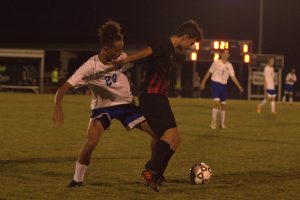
[66, 34]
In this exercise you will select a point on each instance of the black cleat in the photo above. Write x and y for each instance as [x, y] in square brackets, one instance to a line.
[74, 184]
[150, 180]
[148, 165]
[161, 180]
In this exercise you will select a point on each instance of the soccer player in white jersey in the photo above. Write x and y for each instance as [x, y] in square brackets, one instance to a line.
[220, 71]
[269, 86]
[290, 80]
[112, 98]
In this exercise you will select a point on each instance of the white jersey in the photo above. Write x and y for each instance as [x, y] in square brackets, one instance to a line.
[109, 90]
[269, 77]
[290, 79]
[221, 72]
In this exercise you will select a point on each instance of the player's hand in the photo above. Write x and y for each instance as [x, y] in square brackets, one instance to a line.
[118, 63]
[58, 118]
[202, 86]
[241, 89]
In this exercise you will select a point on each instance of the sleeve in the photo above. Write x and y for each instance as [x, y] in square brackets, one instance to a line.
[212, 67]
[159, 47]
[78, 78]
[231, 70]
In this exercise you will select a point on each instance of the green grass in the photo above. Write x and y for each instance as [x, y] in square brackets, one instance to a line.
[257, 157]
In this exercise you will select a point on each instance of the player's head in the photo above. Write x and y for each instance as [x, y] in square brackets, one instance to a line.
[189, 32]
[111, 39]
[271, 61]
[225, 54]
[293, 70]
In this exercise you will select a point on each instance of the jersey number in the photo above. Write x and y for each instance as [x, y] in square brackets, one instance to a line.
[110, 79]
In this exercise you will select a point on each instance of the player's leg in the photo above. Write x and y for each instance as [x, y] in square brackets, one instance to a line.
[174, 142]
[223, 98]
[284, 96]
[159, 115]
[291, 97]
[94, 132]
[144, 126]
[262, 103]
[223, 105]
[272, 102]
[214, 112]
[215, 93]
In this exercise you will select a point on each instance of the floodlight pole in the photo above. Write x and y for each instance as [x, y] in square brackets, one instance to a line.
[260, 29]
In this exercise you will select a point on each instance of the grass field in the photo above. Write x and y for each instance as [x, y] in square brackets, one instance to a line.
[257, 157]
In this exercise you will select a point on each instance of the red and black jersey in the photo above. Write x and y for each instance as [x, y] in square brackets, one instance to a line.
[159, 67]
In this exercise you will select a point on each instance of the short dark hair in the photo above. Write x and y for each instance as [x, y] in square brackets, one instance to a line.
[190, 28]
[109, 32]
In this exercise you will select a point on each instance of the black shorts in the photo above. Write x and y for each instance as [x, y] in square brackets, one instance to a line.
[157, 111]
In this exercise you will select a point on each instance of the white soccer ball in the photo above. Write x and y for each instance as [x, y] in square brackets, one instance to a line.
[200, 173]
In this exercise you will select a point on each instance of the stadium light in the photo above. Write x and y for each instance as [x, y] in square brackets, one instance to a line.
[247, 58]
[226, 45]
[216, 56]
[223, 45]
[194, 56]
[216, 44]
[196, 46]
[245, 48]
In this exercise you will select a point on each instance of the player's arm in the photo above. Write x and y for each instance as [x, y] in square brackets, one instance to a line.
[206, 77]
[135, 56]
[236, 82]
[58, 116]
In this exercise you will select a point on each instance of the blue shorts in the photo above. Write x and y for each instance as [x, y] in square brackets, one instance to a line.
[218, 91]
[271, 93]
[289, 88]
[130, 115]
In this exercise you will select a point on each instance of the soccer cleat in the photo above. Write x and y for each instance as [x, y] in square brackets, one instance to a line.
[258, 109]
[148, 165]
[74, 184]
[213, 125]
[161, 180]
[150, 180]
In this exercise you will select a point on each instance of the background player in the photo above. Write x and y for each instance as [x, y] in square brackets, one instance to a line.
[269, 86]
[290, 80]
[220, 71]
[154, 100]
[112, 98]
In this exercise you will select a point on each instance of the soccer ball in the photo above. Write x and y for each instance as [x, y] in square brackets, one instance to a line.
[200, 173]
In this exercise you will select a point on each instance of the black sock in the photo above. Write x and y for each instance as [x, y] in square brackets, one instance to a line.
[160, 153]
[165, 162]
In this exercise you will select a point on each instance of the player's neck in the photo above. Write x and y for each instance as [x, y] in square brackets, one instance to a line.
[103, 58]
[224, 61]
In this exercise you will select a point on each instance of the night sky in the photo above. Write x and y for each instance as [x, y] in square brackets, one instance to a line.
[76, 22]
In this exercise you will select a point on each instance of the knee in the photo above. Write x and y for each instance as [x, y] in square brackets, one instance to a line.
[178, 140]
[176, 143]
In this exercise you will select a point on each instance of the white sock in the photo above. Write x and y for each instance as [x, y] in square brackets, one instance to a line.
[222, 116]
[273, 106]
[214, 114]
[79, 172]
[291, 99]
[283, 98]
[262, 103]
